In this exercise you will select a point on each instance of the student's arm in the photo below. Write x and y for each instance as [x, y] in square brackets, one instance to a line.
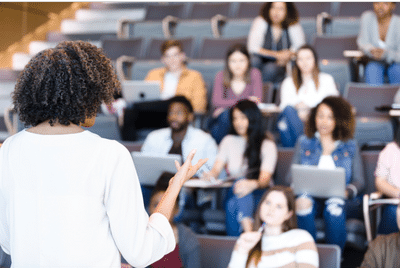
[199, 93]
[242, 248]
[383, 186]
[218, 99]
[357, 177]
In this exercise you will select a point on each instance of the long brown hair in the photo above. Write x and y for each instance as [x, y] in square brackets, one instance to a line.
[296, 73]
[228, 75]
[291, 223]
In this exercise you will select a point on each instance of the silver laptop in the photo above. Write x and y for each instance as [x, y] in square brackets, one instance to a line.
[322, 183]
[134, 91]
[150, 167]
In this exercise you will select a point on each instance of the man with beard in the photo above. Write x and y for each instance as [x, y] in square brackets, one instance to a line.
[180, 137]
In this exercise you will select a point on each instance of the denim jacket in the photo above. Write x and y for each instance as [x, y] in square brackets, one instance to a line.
[346, 154]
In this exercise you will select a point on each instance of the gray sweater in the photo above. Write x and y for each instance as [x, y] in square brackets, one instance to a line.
[368, 37]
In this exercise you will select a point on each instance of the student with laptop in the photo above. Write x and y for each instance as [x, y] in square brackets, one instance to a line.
[180, 138]
[328, 143]
[175, 80]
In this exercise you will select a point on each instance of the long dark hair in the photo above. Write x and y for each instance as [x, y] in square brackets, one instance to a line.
[292, 16]
[296, 73]
[256, 133]
[291, 223]
[227, 78]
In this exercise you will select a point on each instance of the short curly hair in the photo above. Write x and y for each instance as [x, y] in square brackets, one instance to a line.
[65, 84]
[344, 118]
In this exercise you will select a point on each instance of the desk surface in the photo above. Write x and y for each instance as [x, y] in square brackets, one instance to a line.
[198, 183]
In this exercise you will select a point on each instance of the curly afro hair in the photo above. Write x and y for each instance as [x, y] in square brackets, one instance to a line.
[66, 84]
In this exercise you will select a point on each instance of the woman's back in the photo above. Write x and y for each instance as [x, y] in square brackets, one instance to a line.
[66, 194]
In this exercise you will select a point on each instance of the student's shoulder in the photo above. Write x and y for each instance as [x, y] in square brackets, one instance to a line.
[300, 235]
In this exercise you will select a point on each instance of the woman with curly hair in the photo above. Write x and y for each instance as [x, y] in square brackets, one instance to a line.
[67, 196]
[328, 143]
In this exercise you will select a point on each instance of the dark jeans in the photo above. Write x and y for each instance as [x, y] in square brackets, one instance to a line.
[144, 115]
[270, 71]
[219, 127]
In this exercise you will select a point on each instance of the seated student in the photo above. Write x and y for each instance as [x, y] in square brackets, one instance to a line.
[236, 82]
[329, 144]
[273, 38]
[176, 80]
[387, 181]
[250, 156]
[275, 241]
[180, 138]
[187, 250]
[383, 252]
[379, 40]
[299, 93]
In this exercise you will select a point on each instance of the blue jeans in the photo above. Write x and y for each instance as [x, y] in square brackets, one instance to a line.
[334, 211]
[388, 222]
[219, 127]
[290, 127]
[240, 208]
[375, 72]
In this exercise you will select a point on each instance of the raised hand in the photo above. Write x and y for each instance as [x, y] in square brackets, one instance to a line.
[187, 170]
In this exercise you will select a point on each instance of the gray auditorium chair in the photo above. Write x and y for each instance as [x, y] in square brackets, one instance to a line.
[114, 48]
[106, 126]
[312, 9]
[339, 69]
[212, 48]
[332, 47]
[372, 126]
[208, 10]
[248, 10]
[196, 29]
[141, 67]
[159, 12]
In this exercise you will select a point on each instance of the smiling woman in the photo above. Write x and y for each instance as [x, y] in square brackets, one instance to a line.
[275, 239]
[329, 144]
[299, 93]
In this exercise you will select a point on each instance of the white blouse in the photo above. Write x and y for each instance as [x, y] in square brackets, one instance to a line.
[74, 200]
[307, 92]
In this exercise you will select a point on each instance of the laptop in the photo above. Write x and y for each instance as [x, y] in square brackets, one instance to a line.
[322, 183]
[135, 91]
[150, 167]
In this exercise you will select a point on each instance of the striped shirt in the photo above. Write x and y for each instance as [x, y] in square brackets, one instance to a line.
[294, 248]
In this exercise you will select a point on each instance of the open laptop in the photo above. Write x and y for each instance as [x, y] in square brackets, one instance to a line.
[134, 91]
[322, 183]
[150, 167]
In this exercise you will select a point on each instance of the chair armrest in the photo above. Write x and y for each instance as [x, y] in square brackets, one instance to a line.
[216, 23]
[323, 19]
[120, 66]
[168, 23]
[122, 26]
[375, 195]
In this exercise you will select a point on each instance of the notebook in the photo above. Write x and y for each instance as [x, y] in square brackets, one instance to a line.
[321, 183]
[140, 91]
[150, 167]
